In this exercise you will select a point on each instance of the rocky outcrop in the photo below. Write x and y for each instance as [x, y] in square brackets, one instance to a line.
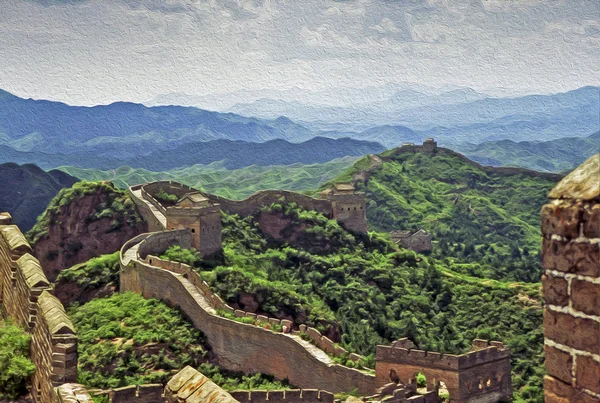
[80, 225]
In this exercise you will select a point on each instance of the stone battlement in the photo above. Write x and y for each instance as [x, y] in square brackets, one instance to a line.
[486, 352]
[336, 204]
[25, 293]
[290, 396]
[482, 373]
[151, 393]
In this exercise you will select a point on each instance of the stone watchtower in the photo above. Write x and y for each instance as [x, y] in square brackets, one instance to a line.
[571, 286]
[347, 206]
[194, 211]
[429, 145]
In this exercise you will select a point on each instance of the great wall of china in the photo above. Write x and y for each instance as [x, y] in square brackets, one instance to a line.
[571, 256]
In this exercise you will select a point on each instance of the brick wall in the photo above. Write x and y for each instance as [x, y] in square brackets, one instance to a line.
[24, 292]
[479, 375]
[191, 386]
[242, 347]
[571, 286]
[151, 393]
[287, 396]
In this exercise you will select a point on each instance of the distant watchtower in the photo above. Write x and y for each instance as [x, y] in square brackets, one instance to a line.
[347, 206]
[429, 145]
[194, 211]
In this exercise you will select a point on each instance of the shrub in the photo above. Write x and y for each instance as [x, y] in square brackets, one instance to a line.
[15, 365]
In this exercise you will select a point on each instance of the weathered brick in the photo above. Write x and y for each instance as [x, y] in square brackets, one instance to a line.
[579, 333]
[585, 296]
[559, 364]
[588, 373]
[556, 391]
[555, 290]
[561, 219]
[591, 220]
[571, 257]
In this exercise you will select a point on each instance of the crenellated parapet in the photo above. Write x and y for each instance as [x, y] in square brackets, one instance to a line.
[287, 396]
[25, 293]
[483, 371]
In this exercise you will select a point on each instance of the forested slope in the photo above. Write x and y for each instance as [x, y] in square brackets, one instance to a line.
[361, 290]
[476, 214]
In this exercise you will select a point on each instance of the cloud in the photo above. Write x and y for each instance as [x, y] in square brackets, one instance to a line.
[91, 51]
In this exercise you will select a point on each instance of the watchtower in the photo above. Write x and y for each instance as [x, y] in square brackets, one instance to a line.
[347, 206]
[429, 145]
[480, 375]
[194, 211]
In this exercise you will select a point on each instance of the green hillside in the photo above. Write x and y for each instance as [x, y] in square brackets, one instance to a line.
[362, 291]
[234, 184]
[476, 214]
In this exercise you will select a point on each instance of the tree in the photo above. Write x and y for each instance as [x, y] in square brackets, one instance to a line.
[15, 366]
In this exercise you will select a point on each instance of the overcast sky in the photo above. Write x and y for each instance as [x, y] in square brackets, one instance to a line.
[99, 51]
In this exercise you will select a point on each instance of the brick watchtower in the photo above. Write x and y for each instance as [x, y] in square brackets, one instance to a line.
[571, 284]
[194, 211]
[347, 206]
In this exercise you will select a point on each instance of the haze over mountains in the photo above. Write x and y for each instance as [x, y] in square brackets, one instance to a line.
[159, 138]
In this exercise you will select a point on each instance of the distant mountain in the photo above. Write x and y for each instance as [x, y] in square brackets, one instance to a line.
[382, 111]
[26, 190]
[124, 128]
[234, 154]
[567, 108]
[391, 136]
[552, 156]
[456, 117]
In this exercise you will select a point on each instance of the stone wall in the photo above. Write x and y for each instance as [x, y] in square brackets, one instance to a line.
[571, 286]
[25, 294]
[158, 242]
[153, 223]
[288, 396]
[242, 347]
[71, 393]
[481, 375]
[191, 386]
[151, 393]
[349, 209]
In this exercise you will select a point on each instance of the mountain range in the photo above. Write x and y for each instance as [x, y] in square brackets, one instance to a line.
[159, 138]
[26, 190]
[472, 116]
[552, 156]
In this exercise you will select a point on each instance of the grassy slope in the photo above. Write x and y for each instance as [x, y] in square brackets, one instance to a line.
[375, 294]
[125, 339]
[475, 215]
[236, 184]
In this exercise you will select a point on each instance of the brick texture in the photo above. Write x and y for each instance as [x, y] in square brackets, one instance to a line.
[586, 297]
[579, 333]
[588, 373]
[555, 290]
[559, 364]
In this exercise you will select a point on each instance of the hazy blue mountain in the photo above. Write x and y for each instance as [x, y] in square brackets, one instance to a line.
[566, 108]
[26, 190]
[37, 125]
[391, 136]
[234, 154]
[382, 111]
[553, 156]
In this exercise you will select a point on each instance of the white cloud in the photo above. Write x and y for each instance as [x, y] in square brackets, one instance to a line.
[92, 51]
